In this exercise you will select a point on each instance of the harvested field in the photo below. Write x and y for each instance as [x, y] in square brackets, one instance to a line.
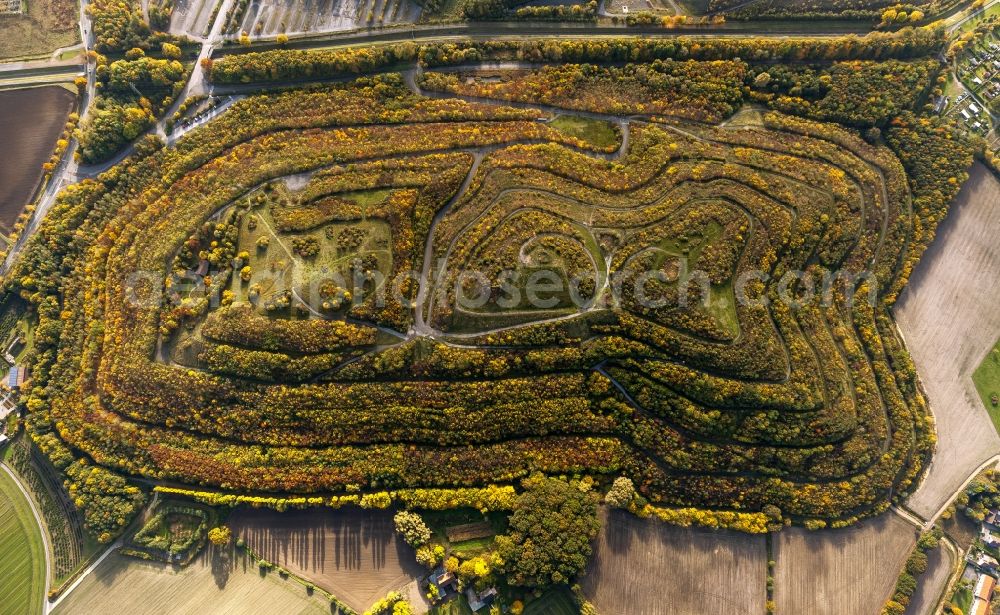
[840, 572]
[47, 26]
[646, 564]
[354, 554]
[30, 122]
[209, 584]
[271, 17]
[940, 563]
[950, 321]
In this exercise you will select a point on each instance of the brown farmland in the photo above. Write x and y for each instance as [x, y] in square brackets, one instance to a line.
[848, 571]
[930, 585]
[31, 121]
[949, 318]
[649, 568]
[354, 554]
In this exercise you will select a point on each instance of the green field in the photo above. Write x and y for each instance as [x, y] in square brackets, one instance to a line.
[987, 381]
[597, 132]
[22, 561]
[963, 599]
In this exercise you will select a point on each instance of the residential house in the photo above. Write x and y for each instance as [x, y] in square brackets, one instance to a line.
[982, 595]
[988, 537]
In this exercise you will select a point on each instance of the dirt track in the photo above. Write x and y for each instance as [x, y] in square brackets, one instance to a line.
[950, 318]
[840, 572]
[355, 554]
[644, 567]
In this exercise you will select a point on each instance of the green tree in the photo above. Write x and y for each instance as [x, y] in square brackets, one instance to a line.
[550, 532]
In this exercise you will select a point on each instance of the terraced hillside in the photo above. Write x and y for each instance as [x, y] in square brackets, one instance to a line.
[359, 287]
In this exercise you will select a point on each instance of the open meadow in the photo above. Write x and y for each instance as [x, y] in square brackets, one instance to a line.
[232, 585]
[30, 122]
[847, 571]
[354, 554]
[46, 26]
[646, 565]
[22, 559]
[949, 318]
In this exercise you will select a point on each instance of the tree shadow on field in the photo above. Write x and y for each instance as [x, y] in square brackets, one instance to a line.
[222, 564]
[351, 552]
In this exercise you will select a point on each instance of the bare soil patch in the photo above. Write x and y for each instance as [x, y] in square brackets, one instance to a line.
[641, 566]
[950, 320]
[354, 554]
[30, 122]
[847, 571]
[210, 584]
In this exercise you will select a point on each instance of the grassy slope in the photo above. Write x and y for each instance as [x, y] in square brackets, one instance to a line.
[22, 560]
[987, 381]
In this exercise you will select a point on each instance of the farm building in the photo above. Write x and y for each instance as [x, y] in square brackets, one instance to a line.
[983, 595]
[16, 377]
[10, 7]
[482, 599]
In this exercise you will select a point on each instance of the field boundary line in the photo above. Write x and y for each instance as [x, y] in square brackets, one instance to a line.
[46, 546]
[83, 575]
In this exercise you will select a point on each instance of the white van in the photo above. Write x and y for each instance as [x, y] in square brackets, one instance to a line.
[3, 440]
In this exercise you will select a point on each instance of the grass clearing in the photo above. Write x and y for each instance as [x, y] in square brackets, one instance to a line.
[47, 25]
[468, 549]
[987, 381]
[22, 556]
[963, 599]
[596, 132]
[455, 606]
[367, 198]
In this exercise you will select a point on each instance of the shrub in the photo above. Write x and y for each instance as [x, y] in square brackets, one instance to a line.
[621, 493]
[412, 527]
[220, 536]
